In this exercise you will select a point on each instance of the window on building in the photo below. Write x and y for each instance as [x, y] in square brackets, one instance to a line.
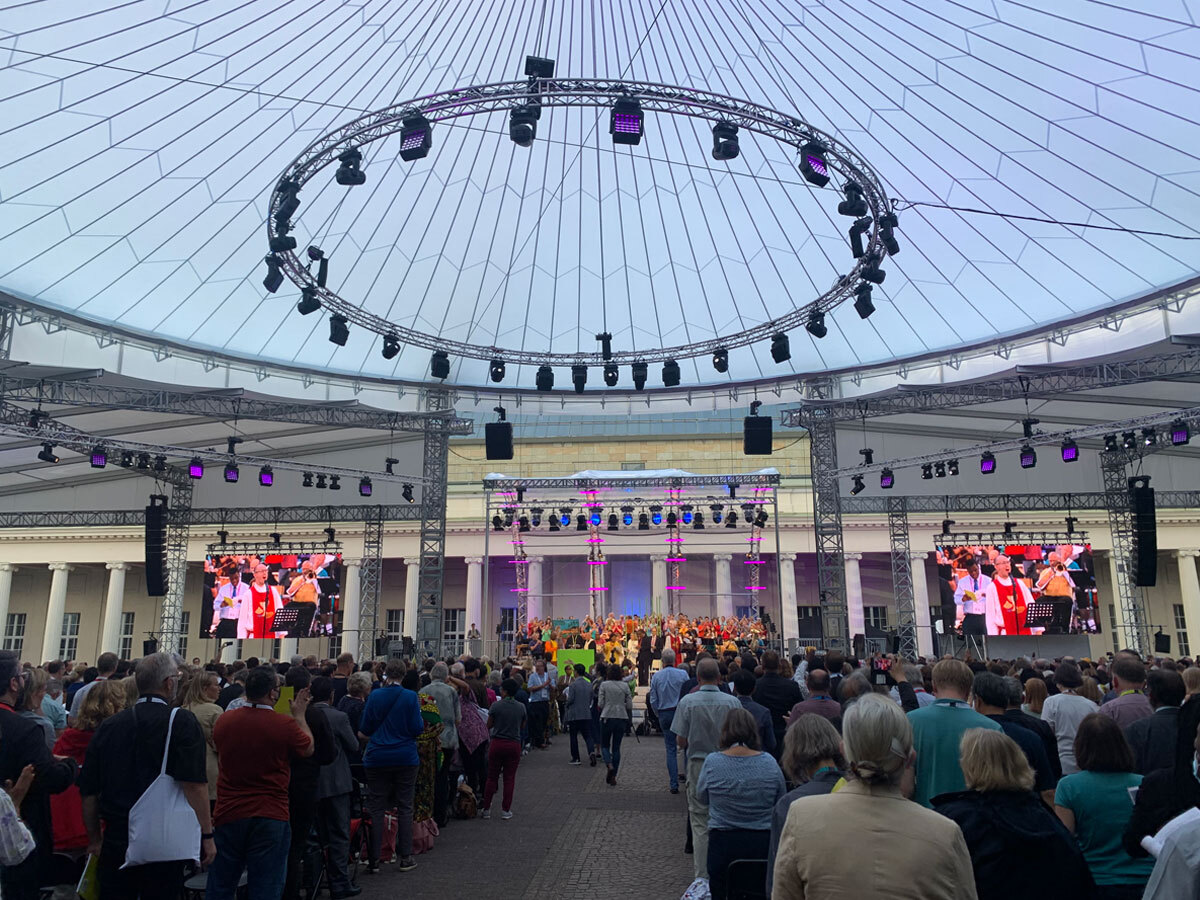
[14, 632]
[335, 645]
[876, 617]
[454, 630]
[68, 645]
[277, 648]
[126, 649]
[635, 466]
[185, 627]
[393, 624]
[508, 625]
[1181, 638]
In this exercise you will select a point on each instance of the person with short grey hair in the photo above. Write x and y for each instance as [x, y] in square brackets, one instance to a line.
[449, 706]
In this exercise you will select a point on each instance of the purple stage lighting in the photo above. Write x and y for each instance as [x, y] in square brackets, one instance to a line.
[886, 479]
[625, 125]
[1180, 433]
[99, 458]
[196, 468]
[1028, 457]
[266, 476]
[1070, 451]
[416, 137]
[987, 463]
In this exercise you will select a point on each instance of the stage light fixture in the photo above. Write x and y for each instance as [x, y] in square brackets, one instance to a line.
[887, 226]
[388, 463]
[670, 373]
[717, 512]
[544, 378]
[508, 518]
[639, 371]
[781, 347]
[497, 523]
[720, 360]
[349, 171]
[406, 491]
[1149, 437]
[1027, 425]
[523, 523]
[1110, 443]
[339, 329]
[281, 243]
[581, 523]
[813, 165]
[762, 518]
[143, 460]
[47, 453]
[854, 205]
[1180, 433]
[579, 378]
[564, 515]
[307, 480]
[859, 487]
[496, 369]
[99, 457]
[365, 488]
[554, 523]
[611, 374]
[266, 476]
[731, 519]
[231, 472]
[939, 470]
[1028, 457]
[127, 460]
[868, 455]
[1070, 451]
[522, 124]
[274, 279]
[335, 482]
[595, 518]
[725, 141]
[687, 515]
[330, 534]
[987, 463]
[160, 463]
[439, 364]
[416, 137]
[698, 521]
[535, 516]
[1129, 440]
[613, 522]
[605, 340]
[643, 522]
[391, 345]
[871, 271]
[816, 325]
[857, 230]
[862, 301]
[947, 524]
[656, 515]
[952, 467]
[732, 491]
[625, 123]
[195, 467]
[627, 515]
[927, 471]
[308, 302]
[289, 191]
[672, 519]
[886, 479]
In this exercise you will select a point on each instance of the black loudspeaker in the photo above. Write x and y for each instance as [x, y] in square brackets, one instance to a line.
[1145, 532]
[756, 435]
[381, 645]
[149, 648]
[156, 546]
[497, 438]
[1162, 643]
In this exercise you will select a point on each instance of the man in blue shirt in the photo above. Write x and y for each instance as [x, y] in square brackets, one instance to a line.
[663, 699]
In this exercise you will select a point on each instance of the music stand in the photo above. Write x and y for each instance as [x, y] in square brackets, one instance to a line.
[295, 618]
[1053, 615]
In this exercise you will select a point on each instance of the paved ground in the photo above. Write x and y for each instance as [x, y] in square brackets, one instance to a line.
[572, 837]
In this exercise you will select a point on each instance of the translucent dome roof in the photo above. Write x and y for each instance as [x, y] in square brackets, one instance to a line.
[141, 146]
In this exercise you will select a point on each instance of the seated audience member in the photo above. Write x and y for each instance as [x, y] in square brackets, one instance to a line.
[740, 783]
[812, 759]
[1152, 738]
[910, 846]
[1095, 805]
[1003, 821]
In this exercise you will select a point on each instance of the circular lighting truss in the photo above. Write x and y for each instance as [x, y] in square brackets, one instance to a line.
[841, 161]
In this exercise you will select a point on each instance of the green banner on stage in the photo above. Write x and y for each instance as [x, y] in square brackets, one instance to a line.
[571, 657]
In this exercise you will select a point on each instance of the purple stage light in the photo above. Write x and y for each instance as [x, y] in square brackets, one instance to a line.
[627, 123]
[196, 469]
[886, 479]
[1180, 433]
[1070, 451]
[987, 463]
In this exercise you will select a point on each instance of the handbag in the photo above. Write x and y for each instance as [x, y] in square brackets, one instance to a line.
[162, 825]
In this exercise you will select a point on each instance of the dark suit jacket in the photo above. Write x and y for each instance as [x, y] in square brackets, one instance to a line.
[1153, 740]
[1161, 797]
[334, 777]
[779, 695]
[1043, 731]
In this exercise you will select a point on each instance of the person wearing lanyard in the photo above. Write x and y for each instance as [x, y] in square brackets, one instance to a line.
[969, 599]
[539, 704]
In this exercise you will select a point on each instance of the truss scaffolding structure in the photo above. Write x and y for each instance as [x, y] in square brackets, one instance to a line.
[370, 583]
[170, 619]
[432, 553]
[991, 503]
[827, 525]
[902, 578]
[215, 517]
[576, 484]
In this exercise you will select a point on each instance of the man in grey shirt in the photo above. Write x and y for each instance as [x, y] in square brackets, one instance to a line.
[579, 715]
[697, 727]
[450, 708]
[106, 666]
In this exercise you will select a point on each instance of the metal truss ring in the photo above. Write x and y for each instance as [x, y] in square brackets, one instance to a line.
[843, 162]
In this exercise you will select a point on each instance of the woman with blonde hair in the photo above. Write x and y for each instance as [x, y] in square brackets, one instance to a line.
[200, 698]
[1191, 680]
[909, 844]
[106, 699]
[1003, 820]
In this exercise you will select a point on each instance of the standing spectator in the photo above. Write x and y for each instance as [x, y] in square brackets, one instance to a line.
[579, 715]
[127, 753]
[29, 704]
[1065, 710]
[910, 846]
[506, 718]
[743, 687]
[234, 690]
[539, 703]
[22, 743]
[16, 841]
[991, 698]
[1129, 704]
[778, 694]
[938, 730]
[473, 734]
[664, 699]
[341, 676]
[52, 705]
[450, 709]
[256, 746]
[820, 700]
[302, 785]
[1153, 738]
[616, 710]
[200, 699]
[697, 727]
[812, 759]
[334, 787]
[1095, 805]
[106, 668]
[392, 722]
[66, 809]
[914, 677]
[1016, 716]
[358, 686]
[1002, 821]
[740, 784]
[1035, 697]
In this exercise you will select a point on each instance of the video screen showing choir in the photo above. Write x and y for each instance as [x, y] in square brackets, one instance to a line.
[275, 595]
[1020, 589]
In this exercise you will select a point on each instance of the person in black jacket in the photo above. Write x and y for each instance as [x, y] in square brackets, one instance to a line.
[777, 694]
[1015, 715]
[302, 788]
[1018, 846]
[22, 743]
[645, 653]
[1153, 738]
[1165, 793]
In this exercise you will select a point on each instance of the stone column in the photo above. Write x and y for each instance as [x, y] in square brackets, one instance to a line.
[658, 585]
[789, 622]
[723, 584]
[6, 570]
[114, 605]
[474, 601]
[921, 603]
[854, 596]
[411, 581]
[534, 596]
[352, 606]
[55, 608]
[1189, 592]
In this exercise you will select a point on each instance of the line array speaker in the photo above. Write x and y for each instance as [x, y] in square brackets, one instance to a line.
[498, 440]
[756, 435]
[1145, 533]
[156, 546]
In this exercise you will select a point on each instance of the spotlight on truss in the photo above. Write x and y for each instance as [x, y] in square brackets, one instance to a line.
[816, 325]
[857, 230]
[670, 373]
[862, 301]
[1028, 457]
[626, 122]
[725, 141]
[349, 172]
[859, 487]
[639, 371]
[611, 374]
[439, 364]
[887, 226]
[391, 345]
[1180, 433]
[416, 137]
[579, 378]
[813, 164]
[522, 124]
[46, 454]
[886, 479]
[496, 369]
[308, 302]
[854, 205]
[545, 378]
[781, 347]
[987, 463]
[720, 360]
[274, 279]
[1070, 451]
[339, 329]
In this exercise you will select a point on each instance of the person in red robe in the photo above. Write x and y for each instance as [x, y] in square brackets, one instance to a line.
[1007, 601]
